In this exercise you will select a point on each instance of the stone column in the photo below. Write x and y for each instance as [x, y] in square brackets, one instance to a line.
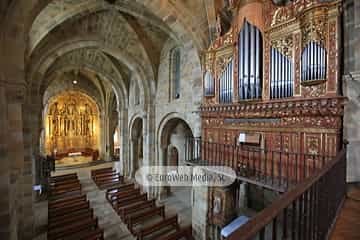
[199, 198]
[6, 230]
[19, 162]
[352, 125]
[161, 191]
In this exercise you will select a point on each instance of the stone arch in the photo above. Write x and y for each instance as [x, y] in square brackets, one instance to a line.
[174, 14]
[172, 134]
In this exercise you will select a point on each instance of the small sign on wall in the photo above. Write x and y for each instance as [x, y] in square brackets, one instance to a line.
[249, 138]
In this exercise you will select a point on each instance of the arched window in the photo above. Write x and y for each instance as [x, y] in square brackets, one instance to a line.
[250, 62]
[209, 84]
[281, 78]
[226, 83]
[136, 94]
[175, 72]
[313, 62]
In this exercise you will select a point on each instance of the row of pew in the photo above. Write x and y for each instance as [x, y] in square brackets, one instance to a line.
[106, 177]
[70, 216]
[143, 217]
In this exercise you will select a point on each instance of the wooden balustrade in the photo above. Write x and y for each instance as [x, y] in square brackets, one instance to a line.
[277, 169]
[308, 211]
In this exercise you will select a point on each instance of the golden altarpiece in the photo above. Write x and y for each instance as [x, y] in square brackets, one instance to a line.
[273, 80]
[72, 124]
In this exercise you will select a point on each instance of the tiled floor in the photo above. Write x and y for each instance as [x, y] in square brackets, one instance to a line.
[179, 202]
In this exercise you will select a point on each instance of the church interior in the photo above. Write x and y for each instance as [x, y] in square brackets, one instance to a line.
[94, 91]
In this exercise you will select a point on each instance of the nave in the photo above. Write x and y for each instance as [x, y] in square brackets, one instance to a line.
[108, 220]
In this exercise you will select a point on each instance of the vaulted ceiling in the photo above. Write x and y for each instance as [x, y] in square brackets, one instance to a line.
[128, 36]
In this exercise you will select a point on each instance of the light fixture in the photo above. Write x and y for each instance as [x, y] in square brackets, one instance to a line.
[76, 77]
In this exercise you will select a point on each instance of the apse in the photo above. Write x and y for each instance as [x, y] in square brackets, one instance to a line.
[72, 126]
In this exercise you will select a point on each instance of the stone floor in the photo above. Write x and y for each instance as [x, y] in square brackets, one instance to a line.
[179, 202]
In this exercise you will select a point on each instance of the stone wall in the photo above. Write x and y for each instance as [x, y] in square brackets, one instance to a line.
[351, 86]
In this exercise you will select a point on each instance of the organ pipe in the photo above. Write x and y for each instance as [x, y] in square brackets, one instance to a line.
[209, 84]
[281, 76]
[226, 83]
[250, 62]
[313, 62]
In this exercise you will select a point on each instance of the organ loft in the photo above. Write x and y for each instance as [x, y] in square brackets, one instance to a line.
[174, 120]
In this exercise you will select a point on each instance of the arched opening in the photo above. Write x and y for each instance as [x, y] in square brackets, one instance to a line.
[173, 137]
[116, 146]
[72, 128]
[136, 145]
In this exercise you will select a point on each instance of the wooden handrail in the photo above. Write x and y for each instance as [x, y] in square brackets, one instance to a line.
[260, 221]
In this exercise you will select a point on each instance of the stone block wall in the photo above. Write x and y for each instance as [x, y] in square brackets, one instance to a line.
[351, 86]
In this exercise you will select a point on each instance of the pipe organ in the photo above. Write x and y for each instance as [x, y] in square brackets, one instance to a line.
[282, 83]
[226, 83]
[281, 78]
[250, 62]
[313, 62]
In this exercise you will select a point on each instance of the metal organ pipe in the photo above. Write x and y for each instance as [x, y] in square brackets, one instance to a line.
[250, 62]
[313, 62]
[281, 81]
[257, 65]
[226, 83]
[241, 65]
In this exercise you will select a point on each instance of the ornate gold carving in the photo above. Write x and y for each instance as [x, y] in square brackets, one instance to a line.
[221, 63]
[72, 121]
[314, 90]
[209, 61]
[284, 46]
[288, 12]
[314, 30]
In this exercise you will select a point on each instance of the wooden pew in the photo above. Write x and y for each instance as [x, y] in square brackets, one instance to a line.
[60, 178]
[109, 178]
[64, 186]
[67, 209]
[179, 234]
[129, 200]
[101, 170]
[132, 220]
[70, 218]
[64, 231]
[67, 204]
[101, 175]
[126, 211]
[124, 194]
[97, 234]
[126, 187]
[66, 200]
[66, 191]
[168, 222]
[65, 182]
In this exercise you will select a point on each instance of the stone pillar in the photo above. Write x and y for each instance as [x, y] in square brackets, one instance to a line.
[199, 198]
[161, 191]
[102, 150]
[6, 230]
[352, 125]
[18, 180]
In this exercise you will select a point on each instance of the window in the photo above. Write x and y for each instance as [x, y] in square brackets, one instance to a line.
[313, 62]
[226, 83]
[250, 62]
[209, 84]
[281, 78]
[175, 73]
[136, 94]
